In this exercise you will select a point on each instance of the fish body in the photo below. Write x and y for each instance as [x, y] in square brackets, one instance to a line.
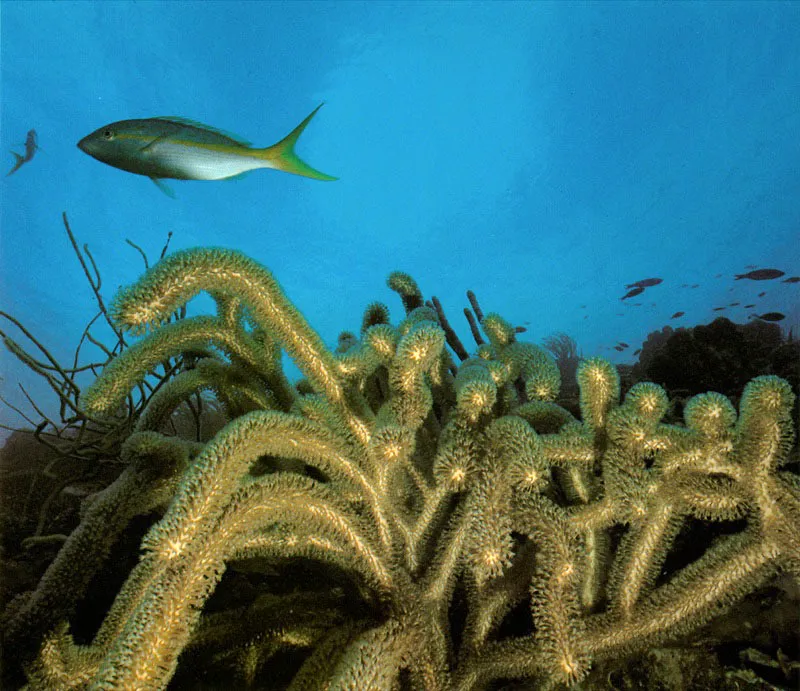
[791, 279]
[633, 292]
[179, 149]
[770, 316]
[760, 275]
[30, 145]
[677, 314]
[645, 283]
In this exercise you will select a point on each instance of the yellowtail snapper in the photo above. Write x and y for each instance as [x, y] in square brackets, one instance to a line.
[185, 150]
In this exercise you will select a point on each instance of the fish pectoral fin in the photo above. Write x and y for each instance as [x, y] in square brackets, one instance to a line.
[166, 189]
[151, 145]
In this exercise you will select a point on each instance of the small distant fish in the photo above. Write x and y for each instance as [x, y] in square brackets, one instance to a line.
[761, 295]
[623, 344]
[677, 314]
[751, 266]
[184, 150]
[619, 349]
[695, 285]
[684, 285]
[31, 146]
[760, 275]
[793, 279]
[749, 306]
[734, 304]
[520, 329]
[645, 283]
[585, 316]
[770, 316]
[620, 314]
[637, 351]
[718, 276]
[718, 309]
[633, 292]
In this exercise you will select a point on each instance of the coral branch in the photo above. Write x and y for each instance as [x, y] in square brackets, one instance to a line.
[447, 498]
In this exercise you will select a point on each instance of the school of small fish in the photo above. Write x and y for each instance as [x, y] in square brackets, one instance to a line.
[753, 274]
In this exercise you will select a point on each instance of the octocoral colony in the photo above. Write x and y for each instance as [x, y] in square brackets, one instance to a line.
[427, 478]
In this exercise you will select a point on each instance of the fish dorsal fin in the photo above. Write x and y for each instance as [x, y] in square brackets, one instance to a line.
[166, 189]
[179, 120]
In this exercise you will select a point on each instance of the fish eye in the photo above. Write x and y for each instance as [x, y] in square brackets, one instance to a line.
[108, 134]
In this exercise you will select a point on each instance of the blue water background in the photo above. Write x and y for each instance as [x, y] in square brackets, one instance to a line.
[540, 154]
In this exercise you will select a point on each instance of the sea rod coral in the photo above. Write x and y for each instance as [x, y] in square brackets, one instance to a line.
[434, 485]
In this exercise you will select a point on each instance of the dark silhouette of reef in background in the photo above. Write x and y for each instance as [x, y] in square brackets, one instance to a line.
[721, 356]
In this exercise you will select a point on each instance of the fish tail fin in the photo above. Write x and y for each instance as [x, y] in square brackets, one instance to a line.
[283, 157]
[20, 160]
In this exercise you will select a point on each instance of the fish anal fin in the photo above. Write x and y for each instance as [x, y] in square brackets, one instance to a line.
[238, 176]
[166, 189]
